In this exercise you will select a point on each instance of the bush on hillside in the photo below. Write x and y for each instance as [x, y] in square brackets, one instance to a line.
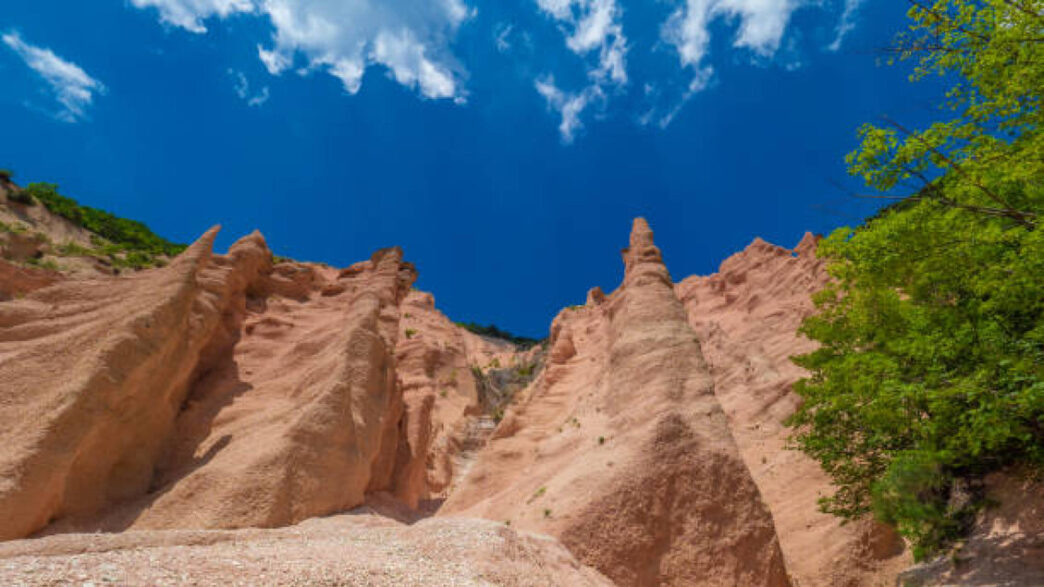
[494, 332]
[21, 197]
[129, 235]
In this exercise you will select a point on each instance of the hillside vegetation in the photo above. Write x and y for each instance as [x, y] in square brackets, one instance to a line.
[123, 242]
[494, 332]
[129, 235]
[930, 372]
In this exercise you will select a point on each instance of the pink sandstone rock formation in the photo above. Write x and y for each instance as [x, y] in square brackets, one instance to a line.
[94, 372]
[17, 281]
[621, 450]
[191, 398]
[225, 391]
[746, 316]
[442, 397]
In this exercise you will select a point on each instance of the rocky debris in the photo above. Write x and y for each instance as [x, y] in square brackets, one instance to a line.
[621, 450]
[348, 549]
[1006, 544]
[746, 317]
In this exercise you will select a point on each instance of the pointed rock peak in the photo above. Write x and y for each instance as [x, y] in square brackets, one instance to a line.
[254, 240]
[390, 254]
[808, 245]
[595, 296]
[641, 233]
[643, 256]
[200, 251]
[761, 246]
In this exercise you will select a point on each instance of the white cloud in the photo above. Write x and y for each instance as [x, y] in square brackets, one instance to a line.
[568, 105]
[242, 87]
[501, 37]
[260, 98]
[845, 24]
[72, 87]
[593, 26]
[190, 14]
[762, 24]
[410, 38]
[594, 32]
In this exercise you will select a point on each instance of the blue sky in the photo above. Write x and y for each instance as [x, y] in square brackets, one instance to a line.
[504, 145]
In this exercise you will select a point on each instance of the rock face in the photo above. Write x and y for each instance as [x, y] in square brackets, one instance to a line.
[746, 317]
[437, 363]
[622, 451]
[181, 405]
[298, 417]
[17, 281]
[163, 393]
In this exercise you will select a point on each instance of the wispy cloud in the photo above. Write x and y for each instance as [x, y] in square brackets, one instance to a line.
[845, 24]
[593, 31]
[72, 87]
[568, 105]
[190, 14]
[242, 87]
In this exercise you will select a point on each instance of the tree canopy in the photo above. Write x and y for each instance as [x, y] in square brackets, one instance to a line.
[930, 372]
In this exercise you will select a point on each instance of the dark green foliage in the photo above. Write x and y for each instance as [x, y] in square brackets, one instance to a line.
[21, 197]
[6, 175]
[129, 235]
[494, 332]
[410, 332]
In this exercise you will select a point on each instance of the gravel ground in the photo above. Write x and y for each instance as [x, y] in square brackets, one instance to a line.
[360, 549]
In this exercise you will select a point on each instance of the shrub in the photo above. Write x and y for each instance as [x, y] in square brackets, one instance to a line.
[494, 332]
[21, 197]
[410, 332]
[6, 175]
[71, 249]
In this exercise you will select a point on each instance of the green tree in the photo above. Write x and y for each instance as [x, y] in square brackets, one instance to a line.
[930, 371]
